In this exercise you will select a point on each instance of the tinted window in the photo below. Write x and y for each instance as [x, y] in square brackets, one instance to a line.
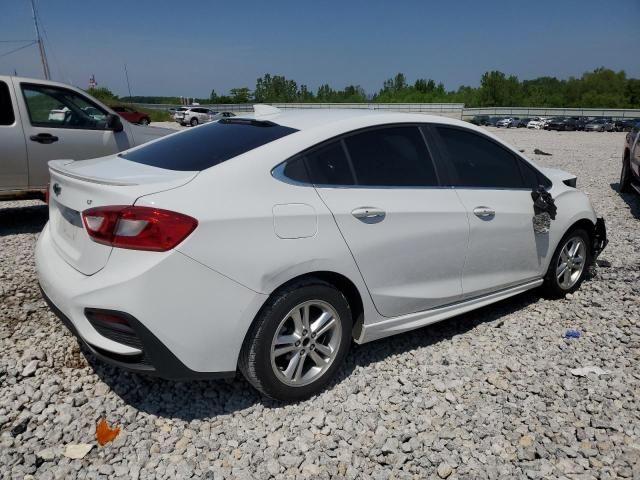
[477, 161]
[6, 109]
[328, 165]
[393, 157]
[296, 170]
[62, 108]
[214, 143]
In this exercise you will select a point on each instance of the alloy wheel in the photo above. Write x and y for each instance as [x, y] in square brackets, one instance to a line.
[306, 343]
[571, 262]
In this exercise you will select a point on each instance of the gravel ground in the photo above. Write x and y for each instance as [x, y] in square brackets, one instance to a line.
[488, 394]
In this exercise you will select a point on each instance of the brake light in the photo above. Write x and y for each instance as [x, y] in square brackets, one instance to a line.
[137, 228]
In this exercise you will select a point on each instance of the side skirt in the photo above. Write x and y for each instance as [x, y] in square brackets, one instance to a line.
[412, 321]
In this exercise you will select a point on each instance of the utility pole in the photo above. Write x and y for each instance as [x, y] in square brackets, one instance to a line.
[126, 74]
[43, 55]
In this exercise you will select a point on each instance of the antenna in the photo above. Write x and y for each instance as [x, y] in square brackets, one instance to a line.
[126, 74]
[43, 55]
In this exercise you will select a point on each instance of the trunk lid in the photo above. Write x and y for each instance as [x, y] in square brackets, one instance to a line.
[80, 185]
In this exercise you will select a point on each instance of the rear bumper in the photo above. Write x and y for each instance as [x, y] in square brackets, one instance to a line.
[190, 321]
[155, 358]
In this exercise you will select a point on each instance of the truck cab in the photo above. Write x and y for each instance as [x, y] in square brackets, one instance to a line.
[42, 120]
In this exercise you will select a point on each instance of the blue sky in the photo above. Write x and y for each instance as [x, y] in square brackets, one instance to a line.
[188, 48]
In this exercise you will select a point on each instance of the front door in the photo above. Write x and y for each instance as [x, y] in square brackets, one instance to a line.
[408, 236]
[495, 188]
[61, 124]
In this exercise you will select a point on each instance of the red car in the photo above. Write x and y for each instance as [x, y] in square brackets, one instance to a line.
[131, 115]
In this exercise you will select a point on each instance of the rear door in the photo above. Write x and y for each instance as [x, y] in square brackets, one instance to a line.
[61, 123]
[407, 235]
[14, 171]
[495, 189]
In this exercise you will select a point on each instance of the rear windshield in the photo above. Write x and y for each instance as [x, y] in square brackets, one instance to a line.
[203, 147]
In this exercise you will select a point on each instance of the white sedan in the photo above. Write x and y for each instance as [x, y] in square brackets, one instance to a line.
[269, 244]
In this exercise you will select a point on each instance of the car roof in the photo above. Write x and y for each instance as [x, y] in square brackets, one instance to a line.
[307, 119]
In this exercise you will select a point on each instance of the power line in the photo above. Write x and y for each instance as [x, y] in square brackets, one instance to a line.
[16, 41]
[17, 49]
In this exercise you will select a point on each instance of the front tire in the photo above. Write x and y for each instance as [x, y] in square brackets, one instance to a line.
[144, 122]
[298, 340]
[194, 122]
[569, 264]
[625, 175]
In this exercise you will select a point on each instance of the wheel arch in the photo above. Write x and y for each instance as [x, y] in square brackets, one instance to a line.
[337, 280]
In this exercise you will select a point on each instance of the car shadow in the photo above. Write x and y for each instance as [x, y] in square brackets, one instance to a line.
[632, 199]
[209, 399]
[19, 220]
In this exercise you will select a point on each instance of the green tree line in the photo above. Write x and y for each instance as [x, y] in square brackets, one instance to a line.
[601, 88]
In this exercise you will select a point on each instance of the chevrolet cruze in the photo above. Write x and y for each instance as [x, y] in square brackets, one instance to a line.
[268, 244]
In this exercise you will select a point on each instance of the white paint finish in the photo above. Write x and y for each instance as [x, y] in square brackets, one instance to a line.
[411, 260]
[201, 321]
[294, 220]
[503, 248]
[393, 326]
[201, 299]
[84, 185]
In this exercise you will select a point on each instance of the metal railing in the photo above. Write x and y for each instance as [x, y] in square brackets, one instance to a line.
[455, 110]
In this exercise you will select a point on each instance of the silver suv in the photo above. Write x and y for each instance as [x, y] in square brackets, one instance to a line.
[192, 115]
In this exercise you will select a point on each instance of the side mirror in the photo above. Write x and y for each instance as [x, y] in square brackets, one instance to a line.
[114, 123]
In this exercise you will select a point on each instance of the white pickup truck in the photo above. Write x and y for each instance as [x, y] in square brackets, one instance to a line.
[42, 120]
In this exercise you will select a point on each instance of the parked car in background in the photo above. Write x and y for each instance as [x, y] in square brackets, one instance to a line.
[536, 123]
[492, 122]
[132, 115]
[42, 120]
[523, 122]
[193, 116]
[626, 124]
[600, 125]
[480, 120]
[562, 124]
[178, 113]
[507, 122]
[214, 116]
[581, 122]
[231, 247]
[630, 172]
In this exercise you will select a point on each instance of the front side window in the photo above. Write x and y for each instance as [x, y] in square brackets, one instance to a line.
[62, 108]
[7, 117]
[391, 157]
[476, 161]
[201, 148]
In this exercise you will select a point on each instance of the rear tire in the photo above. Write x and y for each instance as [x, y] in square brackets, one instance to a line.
[194, 122]
[290, 353]
[144, 122]
[569, 264]
[625, 175]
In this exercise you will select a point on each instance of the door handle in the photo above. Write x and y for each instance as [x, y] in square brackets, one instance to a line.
[45, 138]
[484, 212]
[369, 214]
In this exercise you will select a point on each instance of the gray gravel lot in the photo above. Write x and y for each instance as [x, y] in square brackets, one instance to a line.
[485, 395]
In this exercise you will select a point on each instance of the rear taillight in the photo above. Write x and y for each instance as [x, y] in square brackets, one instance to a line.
[137, 228]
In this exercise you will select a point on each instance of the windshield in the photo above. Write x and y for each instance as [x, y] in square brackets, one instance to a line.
[208, 145]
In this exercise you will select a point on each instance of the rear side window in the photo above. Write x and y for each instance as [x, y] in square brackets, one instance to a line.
[391, 157]
[328, 165]
[476, 161]
[209, 145]
[7, 116]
